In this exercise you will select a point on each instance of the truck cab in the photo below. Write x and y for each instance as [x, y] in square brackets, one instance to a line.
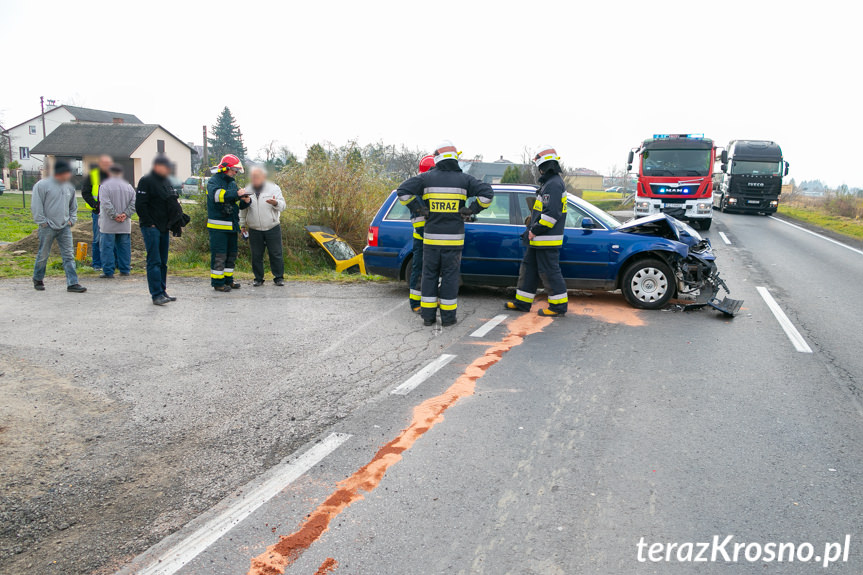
[751, 177]
[675, 177]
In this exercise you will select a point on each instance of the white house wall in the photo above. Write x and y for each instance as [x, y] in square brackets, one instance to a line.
[21, 136]
[177, 151]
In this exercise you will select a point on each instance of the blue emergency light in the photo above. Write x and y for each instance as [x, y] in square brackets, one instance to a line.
[678, 136]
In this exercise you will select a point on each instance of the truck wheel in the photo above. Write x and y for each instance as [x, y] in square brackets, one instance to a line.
[648, 284]
[704, 224]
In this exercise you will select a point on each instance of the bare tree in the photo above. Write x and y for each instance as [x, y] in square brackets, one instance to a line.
[270, 151]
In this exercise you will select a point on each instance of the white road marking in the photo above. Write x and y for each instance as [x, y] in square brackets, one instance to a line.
[422, 375]
[831, 240]
[725, 239]
[211, 529]
[489, 325]
[791, 331]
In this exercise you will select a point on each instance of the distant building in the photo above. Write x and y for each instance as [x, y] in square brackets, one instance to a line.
[26, 135]
[131, 145]
[488, 172]
[584, 179]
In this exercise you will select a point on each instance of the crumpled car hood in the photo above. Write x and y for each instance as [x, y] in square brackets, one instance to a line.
[664, 226]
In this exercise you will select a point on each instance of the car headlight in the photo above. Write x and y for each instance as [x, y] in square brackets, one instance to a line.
[643, 205]
[774, 203]
[703, 207]
[732, 200]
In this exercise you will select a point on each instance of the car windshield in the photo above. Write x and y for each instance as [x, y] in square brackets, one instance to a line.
[676, 162]
[191, 181]
[748, 168]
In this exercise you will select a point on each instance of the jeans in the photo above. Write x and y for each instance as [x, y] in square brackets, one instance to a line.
[95, 250]
[47, 235]
[157, 244]
[119, 245]
[272, 241]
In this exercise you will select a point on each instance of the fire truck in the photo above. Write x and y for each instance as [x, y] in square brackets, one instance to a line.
[675, 177]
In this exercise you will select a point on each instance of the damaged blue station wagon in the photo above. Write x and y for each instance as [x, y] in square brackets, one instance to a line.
[651, 259]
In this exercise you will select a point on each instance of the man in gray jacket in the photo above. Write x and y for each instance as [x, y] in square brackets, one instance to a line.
[55, 209]
[261, 222]
[116, 207]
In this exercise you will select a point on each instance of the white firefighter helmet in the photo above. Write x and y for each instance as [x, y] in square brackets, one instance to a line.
[545, 154]
[445, 151]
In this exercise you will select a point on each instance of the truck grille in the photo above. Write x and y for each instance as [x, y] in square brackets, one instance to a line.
[742, 187]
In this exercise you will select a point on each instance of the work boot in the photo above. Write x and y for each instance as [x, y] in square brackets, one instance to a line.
[161, 300]
[545, 312]
[279, 282]
[429, 322]
[225, 288]
[257, 283]
[449, 322]
[232, 284]
[38, 285]
[512, 306]
[125, 274]
[169, 297]
[76, 288]
[417, 309]
[106, 276]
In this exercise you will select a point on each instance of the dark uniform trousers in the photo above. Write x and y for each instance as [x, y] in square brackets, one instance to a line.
[541, 263]
[442, 262]
[272, 241]
[223, 255]
[416, 273]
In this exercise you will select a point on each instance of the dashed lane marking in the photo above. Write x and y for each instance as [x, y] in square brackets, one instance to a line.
[489, 325]
[791, 331]
[210, 529]
[831, 240]
[423, 375]
[725, 239]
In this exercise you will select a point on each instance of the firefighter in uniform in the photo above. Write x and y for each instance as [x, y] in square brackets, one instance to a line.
[224, 202]
[544, 238]
[444, 192]
[418, 221]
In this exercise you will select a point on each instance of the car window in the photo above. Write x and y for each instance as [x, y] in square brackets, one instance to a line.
[191, 181]
[574, 216]
[398, 212]
[498, 212]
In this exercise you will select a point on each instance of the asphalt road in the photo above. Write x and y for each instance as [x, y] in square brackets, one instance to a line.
[544, 447]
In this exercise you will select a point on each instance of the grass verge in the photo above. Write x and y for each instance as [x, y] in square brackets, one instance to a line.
[850, 227]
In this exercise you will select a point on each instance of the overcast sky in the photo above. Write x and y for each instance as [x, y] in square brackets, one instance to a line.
[592, 79]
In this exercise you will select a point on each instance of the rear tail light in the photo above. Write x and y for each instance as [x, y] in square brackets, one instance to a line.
[373, 236]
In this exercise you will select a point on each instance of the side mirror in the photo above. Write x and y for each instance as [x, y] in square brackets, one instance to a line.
[787, 165]
[587, 223]
[723, 157]
[628, 167]
[630, 157]
[724, 168]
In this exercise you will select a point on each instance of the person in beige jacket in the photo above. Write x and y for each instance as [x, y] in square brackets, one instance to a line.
[260, 222]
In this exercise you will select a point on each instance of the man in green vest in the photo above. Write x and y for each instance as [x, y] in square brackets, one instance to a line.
[90, 193]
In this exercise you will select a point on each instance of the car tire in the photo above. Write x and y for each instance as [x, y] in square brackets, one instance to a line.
[704, 225]
[648, 284]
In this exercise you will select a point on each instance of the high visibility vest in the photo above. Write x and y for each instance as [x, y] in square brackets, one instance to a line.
[95, 176]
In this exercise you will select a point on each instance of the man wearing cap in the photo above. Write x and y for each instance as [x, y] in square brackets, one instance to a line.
[116, 207]
[90, 194]
[442, 194]
[55, 210]
[157, 203]
[544, 238]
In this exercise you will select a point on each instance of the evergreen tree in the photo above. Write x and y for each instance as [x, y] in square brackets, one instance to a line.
[316, 154]
[227, 137]
[512, 175]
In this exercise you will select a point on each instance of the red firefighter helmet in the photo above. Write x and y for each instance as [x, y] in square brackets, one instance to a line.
[426, 164]
[230, 162]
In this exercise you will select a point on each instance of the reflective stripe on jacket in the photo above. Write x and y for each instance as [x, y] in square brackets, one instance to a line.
[444, 191]
[548, 216]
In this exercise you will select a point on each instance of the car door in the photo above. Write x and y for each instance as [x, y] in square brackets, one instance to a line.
[492, 251]
[584, 257]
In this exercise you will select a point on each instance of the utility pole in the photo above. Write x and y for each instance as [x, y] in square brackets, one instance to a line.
[206, 162]
[42, 102]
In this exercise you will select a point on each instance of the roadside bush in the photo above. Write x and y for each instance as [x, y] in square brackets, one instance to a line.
[338, 192]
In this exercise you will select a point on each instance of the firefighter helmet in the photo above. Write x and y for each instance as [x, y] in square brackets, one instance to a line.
[445, 151]
[230, 162]
[426, 164]
[545, 154]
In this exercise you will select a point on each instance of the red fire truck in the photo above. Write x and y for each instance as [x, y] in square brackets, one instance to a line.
[675, 174]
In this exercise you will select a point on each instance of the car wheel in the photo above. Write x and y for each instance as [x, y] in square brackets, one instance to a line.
[648, 284]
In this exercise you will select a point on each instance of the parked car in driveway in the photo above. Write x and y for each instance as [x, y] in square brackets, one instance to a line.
[2, 187]
[194, 185]
[650, 259]
[176, 185]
